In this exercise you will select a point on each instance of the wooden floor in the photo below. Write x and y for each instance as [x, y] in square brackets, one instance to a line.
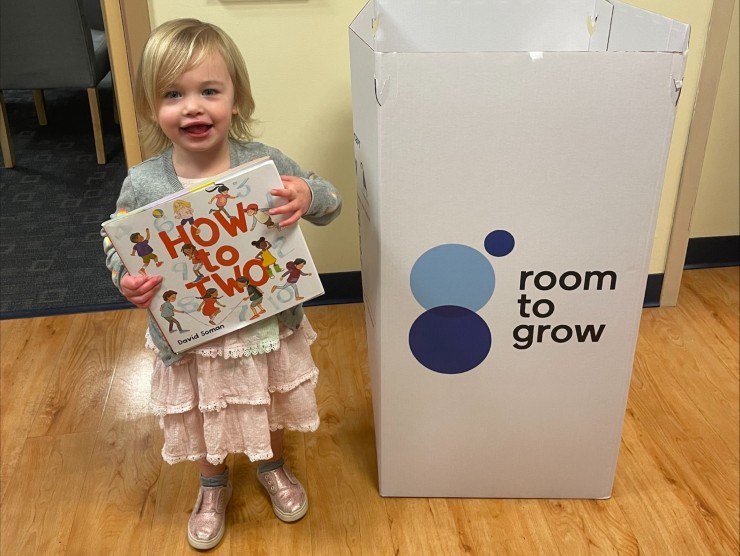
[81, 471]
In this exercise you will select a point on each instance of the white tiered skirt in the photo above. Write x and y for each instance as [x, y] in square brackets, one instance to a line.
[228, 395]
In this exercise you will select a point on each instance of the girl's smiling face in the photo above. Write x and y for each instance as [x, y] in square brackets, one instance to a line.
[195, 111]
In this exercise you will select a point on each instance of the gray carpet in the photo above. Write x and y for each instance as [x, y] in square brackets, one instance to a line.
[51, 206]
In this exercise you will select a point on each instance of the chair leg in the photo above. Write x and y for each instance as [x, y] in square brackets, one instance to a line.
[38, 100]
[5, 141]
[92, 96]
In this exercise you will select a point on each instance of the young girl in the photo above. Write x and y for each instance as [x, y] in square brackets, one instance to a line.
[238, 393]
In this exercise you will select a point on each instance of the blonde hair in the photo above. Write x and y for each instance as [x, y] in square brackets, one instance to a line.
[174, 48]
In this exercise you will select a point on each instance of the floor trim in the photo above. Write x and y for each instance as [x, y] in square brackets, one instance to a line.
[652, 290]
[711, 252]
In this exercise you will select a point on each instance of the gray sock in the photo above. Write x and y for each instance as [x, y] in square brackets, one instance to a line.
[217, 480]
[270, 465]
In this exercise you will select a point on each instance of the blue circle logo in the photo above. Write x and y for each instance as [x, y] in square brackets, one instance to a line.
[452, 282]
[450, 339]
[452, 274]
[499, 243]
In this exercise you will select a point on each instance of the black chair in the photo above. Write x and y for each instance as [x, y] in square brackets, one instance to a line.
[49, 44]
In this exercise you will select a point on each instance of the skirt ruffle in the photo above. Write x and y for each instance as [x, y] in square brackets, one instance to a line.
[210, 407]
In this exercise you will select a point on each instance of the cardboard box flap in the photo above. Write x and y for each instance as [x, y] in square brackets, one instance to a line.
[637, 30]
[507, 26]
[363, 25]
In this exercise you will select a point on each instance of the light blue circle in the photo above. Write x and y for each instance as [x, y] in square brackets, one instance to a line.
[452, 274]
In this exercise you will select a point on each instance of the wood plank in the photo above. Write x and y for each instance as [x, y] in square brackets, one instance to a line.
[81, 374]
[661, 511]
[689, 450]
[710, 304]
[29, 355]
[10, 333]
[702, 381]
[347, 515]
[44, 494]
[120, 490]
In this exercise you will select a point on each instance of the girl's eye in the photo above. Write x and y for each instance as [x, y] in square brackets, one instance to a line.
[172, 94]
[209, 92]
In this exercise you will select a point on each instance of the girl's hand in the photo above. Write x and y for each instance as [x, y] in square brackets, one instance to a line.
[298, 195]
[139, 289]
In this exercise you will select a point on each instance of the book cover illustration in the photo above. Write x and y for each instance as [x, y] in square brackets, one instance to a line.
[225, 261]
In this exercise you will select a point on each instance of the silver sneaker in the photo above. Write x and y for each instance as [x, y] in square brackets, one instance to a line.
[289, 500]
[207, 523]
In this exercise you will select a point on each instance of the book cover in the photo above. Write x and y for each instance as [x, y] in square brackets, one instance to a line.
[225, 262]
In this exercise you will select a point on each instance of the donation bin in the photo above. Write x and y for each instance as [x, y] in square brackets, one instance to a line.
[510, 157]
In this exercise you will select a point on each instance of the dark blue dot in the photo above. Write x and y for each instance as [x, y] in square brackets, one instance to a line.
[450, 339]
[499, 243]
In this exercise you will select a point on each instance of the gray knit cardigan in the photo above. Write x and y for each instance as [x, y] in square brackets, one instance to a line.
[156, 178]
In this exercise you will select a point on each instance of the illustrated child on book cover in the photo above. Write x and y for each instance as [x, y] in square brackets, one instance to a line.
[255, 296]
[222, 197]
[168, 310]
[184, 212]
[144, 250]
[269, 262]
[209, 305]
[191, 252]
[295, 271]
[260, 215]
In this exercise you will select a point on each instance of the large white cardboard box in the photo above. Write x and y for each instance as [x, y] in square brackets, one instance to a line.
[510, 157]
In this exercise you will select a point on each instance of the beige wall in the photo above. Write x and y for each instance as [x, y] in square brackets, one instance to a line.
[717, 210]
[297, 53]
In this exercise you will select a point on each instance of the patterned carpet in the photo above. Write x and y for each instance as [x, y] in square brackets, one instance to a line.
[51, 206]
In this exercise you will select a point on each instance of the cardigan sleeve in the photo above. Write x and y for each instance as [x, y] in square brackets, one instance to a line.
[326, 203]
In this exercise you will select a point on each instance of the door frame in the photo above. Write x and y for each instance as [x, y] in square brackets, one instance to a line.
[696, 146]
[127, 26]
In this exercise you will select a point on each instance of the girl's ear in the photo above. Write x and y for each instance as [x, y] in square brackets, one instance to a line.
[234, 110]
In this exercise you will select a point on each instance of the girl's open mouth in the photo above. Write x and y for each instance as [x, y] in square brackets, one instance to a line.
[197, 130]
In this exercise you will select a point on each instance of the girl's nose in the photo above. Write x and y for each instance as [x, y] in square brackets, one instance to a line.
[192, 105]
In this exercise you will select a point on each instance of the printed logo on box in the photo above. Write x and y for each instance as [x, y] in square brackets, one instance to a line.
[452, 282]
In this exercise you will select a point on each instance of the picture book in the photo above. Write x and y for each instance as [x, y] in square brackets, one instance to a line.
[225, 261]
